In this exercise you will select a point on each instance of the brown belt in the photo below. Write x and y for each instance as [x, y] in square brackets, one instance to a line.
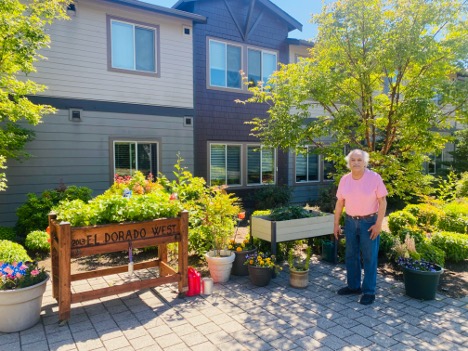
[362, 217]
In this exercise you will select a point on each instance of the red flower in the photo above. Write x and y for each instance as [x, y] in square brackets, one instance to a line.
[241, 215]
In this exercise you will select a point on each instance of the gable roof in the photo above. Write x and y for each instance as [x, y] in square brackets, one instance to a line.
[160, 9]
[291, 22]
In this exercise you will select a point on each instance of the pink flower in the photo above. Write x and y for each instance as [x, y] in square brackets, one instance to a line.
[34, 272]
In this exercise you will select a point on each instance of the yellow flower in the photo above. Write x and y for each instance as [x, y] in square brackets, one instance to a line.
[230, 247]
[251, 261]
[239, 249]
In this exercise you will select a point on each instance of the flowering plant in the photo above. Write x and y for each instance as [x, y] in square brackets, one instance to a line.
[19, 275]
[262, 260]
[245, 245]
[418, 265]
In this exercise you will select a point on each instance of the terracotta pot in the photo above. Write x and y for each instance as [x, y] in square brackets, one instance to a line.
[238, 266]
[20, 309]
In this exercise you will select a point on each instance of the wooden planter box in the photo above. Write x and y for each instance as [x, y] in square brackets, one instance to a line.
[72, 242]
[279, 231]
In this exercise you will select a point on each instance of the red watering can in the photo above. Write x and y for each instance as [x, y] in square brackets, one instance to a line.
[194, 282]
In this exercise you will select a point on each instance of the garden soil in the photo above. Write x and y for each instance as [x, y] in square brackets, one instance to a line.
[453, 282]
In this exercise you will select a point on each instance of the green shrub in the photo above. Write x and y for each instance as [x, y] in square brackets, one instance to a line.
[462, 185]
[271, 196]
[12, 252]
[7, 233]
[327, 199]
[451, 223]
[414, 232]
[430, 253]
[387, 241]
[289, 212]
[37, 241]
[454, 245]
[457, 208]
[33, 215]
[400, 219]
[426, 215]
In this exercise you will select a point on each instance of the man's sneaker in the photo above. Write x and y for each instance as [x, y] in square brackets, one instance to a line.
[367, 299]
[348, 291]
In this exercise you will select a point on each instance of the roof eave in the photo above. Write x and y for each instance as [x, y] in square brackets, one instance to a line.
[160, 9]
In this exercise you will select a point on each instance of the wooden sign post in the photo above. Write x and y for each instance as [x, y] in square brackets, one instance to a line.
[72, 242]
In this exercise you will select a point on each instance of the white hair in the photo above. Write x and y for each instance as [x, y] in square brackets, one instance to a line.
[364, 154]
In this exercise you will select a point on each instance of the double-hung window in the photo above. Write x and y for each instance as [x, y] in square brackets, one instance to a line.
[261, 163]
[261, 66]
[225, 65]
[225, 164]
[133, 47]
[226, 61]
[131, 156]
[307, 166]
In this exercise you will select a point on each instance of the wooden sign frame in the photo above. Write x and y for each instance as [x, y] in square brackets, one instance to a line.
[69, 242]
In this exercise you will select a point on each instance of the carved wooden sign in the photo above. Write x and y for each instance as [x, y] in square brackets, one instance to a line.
[138, 231]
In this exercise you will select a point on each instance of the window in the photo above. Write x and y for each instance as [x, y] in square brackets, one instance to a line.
[132, 47]
[260, 165]
[131, 156]
[307, 166]
[226, 61]
[225, 65]
[225, 164]
[261, 65]
[434, 164]
[240, 164]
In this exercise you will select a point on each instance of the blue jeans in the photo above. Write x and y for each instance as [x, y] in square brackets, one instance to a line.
[358, 243]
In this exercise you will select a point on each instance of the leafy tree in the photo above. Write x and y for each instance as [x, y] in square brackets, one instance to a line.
[22, 34]
[384, 76]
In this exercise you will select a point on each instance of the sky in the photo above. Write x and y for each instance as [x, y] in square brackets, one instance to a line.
[301, 10]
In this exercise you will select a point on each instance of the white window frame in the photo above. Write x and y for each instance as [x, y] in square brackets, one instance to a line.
[244, 63]
[319, 166]
[241, 166]
[226, 44]
[155, 166]
[243, 163]
[134, 24]
[262, 53]
[261, 168]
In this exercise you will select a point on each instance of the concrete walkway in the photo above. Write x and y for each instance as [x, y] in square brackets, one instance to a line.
[239, 316]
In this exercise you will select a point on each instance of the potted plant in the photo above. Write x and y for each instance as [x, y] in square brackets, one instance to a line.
[421, 277]
[22, 287]
[241, 250]
[261, 267]
[218, 222]
[299, 268]
[290, 223]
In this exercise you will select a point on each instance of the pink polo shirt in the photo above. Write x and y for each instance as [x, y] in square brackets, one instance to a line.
[361, 196]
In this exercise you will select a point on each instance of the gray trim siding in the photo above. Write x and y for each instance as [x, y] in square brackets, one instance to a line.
[108, 106]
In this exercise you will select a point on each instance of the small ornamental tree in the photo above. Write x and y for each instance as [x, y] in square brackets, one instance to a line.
[385, 76]
[22, 34]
